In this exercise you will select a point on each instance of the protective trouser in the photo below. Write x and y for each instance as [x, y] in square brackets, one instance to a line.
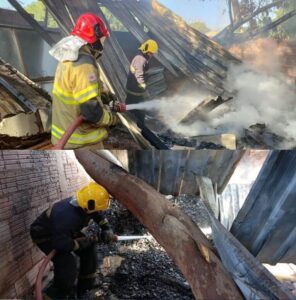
[65, 271]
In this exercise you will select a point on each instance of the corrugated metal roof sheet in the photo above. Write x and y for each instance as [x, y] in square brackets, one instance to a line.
[266, 224]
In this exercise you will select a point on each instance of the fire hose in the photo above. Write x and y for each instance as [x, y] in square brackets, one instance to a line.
[50, 256]
[64, 139]
[38, 285]
[117, 107]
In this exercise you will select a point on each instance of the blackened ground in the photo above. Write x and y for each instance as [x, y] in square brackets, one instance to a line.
[139, 269]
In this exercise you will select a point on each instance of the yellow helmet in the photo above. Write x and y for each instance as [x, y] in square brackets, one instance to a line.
[93, 198]
[149, 46]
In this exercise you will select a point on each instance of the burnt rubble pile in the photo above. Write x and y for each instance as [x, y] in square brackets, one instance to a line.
[136, 269]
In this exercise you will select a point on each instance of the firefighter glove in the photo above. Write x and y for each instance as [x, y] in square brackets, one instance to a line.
[107, 98]
[83, 243]
[107, 236]
[116, 106]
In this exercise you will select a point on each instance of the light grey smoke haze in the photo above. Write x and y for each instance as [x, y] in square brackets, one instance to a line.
[260, 98]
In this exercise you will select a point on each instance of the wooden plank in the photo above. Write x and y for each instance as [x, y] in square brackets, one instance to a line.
[225, 164]
[170, 172]
[202, 109]
[208, 195]
[266, 223]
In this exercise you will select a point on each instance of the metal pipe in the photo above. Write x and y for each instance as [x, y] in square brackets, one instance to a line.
[119, 238]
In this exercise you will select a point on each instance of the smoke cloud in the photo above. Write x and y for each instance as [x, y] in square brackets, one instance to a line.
[259, 98]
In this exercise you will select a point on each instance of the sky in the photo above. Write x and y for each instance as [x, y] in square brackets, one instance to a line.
[212, 12]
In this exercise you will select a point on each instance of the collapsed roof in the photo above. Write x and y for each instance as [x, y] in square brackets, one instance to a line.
[24, 111]
[185, 55]
[183, 50]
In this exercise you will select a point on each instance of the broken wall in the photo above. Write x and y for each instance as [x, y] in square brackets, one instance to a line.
[29, 182]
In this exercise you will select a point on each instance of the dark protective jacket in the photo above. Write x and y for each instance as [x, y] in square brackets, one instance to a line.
[136, 80]
[62, 223]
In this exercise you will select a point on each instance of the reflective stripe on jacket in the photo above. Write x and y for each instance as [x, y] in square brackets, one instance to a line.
[75, 84]
[136, 80]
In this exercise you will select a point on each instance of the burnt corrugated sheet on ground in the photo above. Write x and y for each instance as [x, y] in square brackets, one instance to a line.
[266, 224]
[174, 172]
[9, 105]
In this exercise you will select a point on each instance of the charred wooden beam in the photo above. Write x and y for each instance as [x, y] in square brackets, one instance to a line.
[202, 109]
[174, 230]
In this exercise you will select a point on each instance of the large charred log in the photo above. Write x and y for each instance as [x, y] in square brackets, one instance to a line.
[174, 230]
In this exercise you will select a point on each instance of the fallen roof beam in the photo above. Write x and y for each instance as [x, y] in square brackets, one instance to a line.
[202, 109]
[174, 230]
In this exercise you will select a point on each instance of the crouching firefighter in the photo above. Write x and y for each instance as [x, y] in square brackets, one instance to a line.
[136, 86]
[59, 228]
[77, 87]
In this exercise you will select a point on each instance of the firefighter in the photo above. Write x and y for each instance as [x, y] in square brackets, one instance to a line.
[59, 228]
[77, 87]
[136, 86]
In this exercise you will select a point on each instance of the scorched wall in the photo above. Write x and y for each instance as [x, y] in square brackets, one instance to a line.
[29, 182]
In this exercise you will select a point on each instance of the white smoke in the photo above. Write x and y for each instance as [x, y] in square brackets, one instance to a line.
[260, 98]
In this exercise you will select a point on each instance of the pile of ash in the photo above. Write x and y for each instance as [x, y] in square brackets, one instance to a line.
[138, 269]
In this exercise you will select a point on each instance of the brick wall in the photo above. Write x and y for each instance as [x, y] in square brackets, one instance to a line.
[29, 182]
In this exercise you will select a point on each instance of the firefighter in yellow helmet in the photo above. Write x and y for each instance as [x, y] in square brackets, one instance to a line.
[77, 87]
[136, 86]
[59, 228]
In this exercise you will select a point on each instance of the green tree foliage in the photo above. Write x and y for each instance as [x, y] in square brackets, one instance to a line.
[200, 26]
[114, 23]
[287, 29]
[37, 9]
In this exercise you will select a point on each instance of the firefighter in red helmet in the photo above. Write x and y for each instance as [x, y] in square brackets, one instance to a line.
[77, 87]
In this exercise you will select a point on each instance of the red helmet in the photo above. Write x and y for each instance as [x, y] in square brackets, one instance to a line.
[90, 28]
